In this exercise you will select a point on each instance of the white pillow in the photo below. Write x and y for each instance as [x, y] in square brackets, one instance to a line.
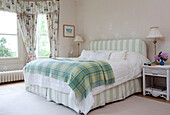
[136, 61]
[118, 55]
[136, 57]
[99, 55]
[85, 54]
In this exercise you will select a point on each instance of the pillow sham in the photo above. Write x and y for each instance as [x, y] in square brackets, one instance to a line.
[98, 55]
[136, 61]
[136, 57]
[118, 55]
[85, 54]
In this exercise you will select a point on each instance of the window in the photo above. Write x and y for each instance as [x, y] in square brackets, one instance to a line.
[8, 35]
[43, 45]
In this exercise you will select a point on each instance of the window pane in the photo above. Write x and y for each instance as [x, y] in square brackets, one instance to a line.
[42, 25]
[43, 40]
[8, 23]
[8, 46]
[43, 46]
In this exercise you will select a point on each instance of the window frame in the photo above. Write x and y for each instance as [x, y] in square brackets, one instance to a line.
[17, 58]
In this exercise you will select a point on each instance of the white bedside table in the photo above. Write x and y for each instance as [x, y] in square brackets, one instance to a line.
[156, 71]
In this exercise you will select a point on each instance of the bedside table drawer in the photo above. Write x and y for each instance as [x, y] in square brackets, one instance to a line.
[155, 71]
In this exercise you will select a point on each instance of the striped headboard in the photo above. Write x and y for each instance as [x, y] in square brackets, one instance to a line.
[134, 45]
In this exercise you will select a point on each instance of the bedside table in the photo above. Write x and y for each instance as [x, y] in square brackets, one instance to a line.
[156, 71]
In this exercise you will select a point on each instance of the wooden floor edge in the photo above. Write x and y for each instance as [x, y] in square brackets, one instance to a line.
[153, 98]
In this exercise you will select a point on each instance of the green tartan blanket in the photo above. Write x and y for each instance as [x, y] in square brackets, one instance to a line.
[81, 76]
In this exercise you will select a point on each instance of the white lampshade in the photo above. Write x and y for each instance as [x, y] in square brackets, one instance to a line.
[78, 39]
[154, 33]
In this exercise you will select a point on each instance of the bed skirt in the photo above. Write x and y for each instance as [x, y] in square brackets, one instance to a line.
[110, 95]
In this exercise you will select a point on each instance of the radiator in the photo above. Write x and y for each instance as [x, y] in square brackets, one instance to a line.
[10, 76]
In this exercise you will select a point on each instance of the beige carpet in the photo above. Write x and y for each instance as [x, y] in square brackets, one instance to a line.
[25, 103]
[12, 88]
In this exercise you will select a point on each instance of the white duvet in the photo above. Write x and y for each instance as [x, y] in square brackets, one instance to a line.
[123, 71]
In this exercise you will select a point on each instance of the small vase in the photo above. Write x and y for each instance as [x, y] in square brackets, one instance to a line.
[162, 62]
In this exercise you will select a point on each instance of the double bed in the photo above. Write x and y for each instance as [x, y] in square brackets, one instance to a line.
[126, 80]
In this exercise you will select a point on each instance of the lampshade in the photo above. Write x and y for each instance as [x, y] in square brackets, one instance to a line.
[154, 33]
[78, 39]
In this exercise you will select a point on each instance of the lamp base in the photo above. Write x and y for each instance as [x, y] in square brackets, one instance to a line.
[78, 48]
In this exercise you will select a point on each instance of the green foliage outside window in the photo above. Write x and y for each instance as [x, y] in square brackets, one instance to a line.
[5, 52]
[42, 28]
[43, 40]
[42, 51]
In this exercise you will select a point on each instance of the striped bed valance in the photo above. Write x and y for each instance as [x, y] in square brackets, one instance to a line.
[134, 45]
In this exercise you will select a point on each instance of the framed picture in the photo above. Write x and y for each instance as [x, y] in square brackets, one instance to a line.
[69, 31]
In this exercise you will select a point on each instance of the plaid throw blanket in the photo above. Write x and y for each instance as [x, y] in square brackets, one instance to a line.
[81, 76]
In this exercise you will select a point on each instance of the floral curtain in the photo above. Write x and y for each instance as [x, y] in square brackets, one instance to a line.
[28, 30]
[52, 20]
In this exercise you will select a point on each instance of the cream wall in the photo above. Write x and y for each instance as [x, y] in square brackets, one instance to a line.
[67, 16]
[124, 19]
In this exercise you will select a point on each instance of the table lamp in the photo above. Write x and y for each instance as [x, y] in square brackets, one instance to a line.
[78, 39]
[154, 34]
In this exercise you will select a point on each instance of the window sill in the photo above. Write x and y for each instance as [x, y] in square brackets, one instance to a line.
[8, 58]
[11, 60]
